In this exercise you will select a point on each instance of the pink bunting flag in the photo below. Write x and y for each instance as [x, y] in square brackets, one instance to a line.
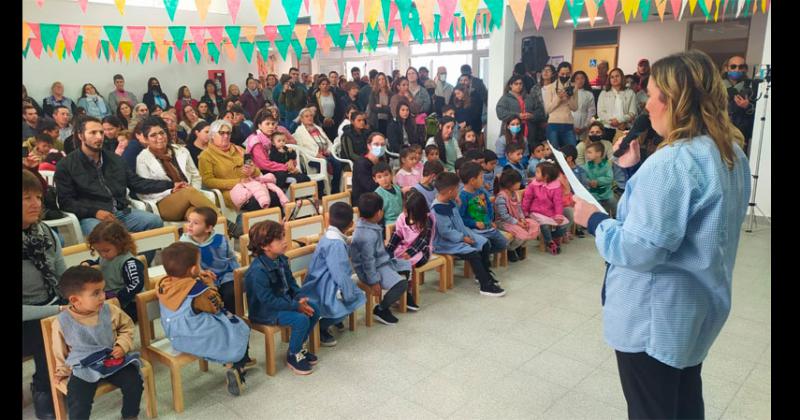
[271, 32]
[35, 29]
[83, 3]
[317, 32]
[198, 34]
[357, 28]
[677, 6]
[305, 5]
[39, 3]
[136, 33]
[70, 34]
[36, 46]
[611, 10]
[447, 9]
[179, 52]
[216, 34]
[352, 6]
[233, 8]
[393, 11]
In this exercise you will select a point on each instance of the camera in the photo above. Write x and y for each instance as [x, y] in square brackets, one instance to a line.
[570, 90]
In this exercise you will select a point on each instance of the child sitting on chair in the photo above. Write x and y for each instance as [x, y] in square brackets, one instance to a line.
[373, 265]
[408, 175]
[273, 295]
[329, 284]
[413, 235]
[391, 194]
[122, 272]
[476, 208]
[453, 238]
[425, 185]
[279, 153]
[194, 317]
[91, 341]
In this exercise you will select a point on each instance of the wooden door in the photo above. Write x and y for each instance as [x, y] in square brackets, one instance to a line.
[586, 58]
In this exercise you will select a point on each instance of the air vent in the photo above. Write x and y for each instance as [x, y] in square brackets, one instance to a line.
[304, 20]
[593, 37]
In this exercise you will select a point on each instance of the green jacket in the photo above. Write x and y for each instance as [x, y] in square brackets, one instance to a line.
[392, 203]
[604, 175]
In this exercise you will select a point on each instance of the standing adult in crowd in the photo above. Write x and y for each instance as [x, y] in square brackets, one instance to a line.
[468, 113]
[291, 100]
[269, 88]
[515, 103]
[354, 137]
[119, 94]
[582, 117]
[240, 130]
[93, 182]
[617, 105]
[125, 113]
[670, 252]
[601, 80]
[443, 90]
[313, 142]
[155, 96]
[57, 99]
[475, 85]
[424, 74]
[642, 70]
[30, 101]
[252, 99]
[421, 98]
[380, 100]
[184, 99]
[355, 73]
[42, 266]
[333, 78]
[741, 97]
[329, 110]
[212, 97]
[350, 96]
[527, 81]
[162, 161]
[233, 96]
[365, 91]
[401, 92]
[560, 100]
[29, 120]
[93, 102]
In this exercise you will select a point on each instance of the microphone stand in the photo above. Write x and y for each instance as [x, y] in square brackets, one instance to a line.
[752, 203]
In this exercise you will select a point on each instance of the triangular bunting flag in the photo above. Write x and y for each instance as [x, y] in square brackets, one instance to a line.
[230, 51]
[661, 7]
[70, 35]
[49, 33]
[26, 48]
[125, 49]
[233, 9]
[404, 10]
[114, 34]
[311, 47]
[302, 33]
[335, 31]
[60, 50]
[216, 34]
[169, 55]
[120, 6]
[143, 52]
[292, 9]
[518, 11]
[158, 33]
[705, 7]
[358, 43]
[36, 47]
[285, 31]
[233, 34]
[198, 35]
[77, 52]
[271, 32]
[263, 48]
[195, 52]
[104, 48]
[537, 10]
[390, 38]
[425, 14]
[298, 49]
[372, 37]
[249, 33]
[692, 6]
[353, 6]
[317, 32]
[326, 44]
[556, 7]
[356, 28]
[677, 8]
[262, 7]
[247, 49]
[171, 6]
[610, 7]
[202, 8]
[591, 11]
[213, 51]
[178, 34]
[341, 8]
[575, 7]
[319, 10]
[39, 3]
[470, 8]
[447, 10]
[82, 3]
[91, 36]
[415, 26]
[283, 48]
[496, 8]
[26, 34]
[37, 33]
[386, 9]
[136, 33]
[627, 9]
[645, 5]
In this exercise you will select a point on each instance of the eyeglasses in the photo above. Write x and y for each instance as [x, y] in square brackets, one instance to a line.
[224, 133]
[740, 66]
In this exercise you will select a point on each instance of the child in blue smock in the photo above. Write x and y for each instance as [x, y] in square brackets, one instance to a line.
[329, 282]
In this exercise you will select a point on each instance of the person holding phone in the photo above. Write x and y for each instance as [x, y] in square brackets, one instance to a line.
[741, 104]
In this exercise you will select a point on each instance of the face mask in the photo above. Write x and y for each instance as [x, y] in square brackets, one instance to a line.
[735, 75]
[376, 150]
[564, 79]
[595, 138]
[515, 129]
[443, 78]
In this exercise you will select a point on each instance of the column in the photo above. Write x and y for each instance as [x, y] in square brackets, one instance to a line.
[403, 56]
[501, 55]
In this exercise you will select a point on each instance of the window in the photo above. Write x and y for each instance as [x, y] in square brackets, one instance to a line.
[721, 40]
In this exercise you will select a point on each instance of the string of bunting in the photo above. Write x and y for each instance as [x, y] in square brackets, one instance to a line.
[386, 19]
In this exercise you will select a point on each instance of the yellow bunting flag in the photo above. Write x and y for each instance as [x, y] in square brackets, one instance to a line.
[249, 33]
[91, 35]
[661, 6]
[518, 10]
[373, 11]
[60, 46]
[319, 11]
[692, 6]
[556, 7]
[627, 8]
[125, 48]
[425, 8]
[764, 6]
[470, 8]
[302, 33]
[26, 33]
[716, 11]
[262, 7]
[120, 6]
[591, 11]
[202, 8]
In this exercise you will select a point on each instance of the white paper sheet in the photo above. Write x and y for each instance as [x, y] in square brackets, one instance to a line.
[577, 187]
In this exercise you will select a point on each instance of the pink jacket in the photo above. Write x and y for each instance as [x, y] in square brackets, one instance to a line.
[258, 144]
[407, 179]
[409, 235]
[545, 199]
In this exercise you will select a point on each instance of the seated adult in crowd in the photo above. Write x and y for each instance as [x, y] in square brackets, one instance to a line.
[27, 100]
[93, 182]
[120, 95]
[140, 111]
[259, 144]
[162, 161]
[198, 140]
[93, 102]
[155, 96]
[136, 143]
[240, 130]
[212, 97]
[56, 99]
[42, 265]
[312, 141]
[252, 99]
[45, 126]
[190, 117]
[111, 129]
[363, 182]
[353, 141]
[222, 166]
[184, 99]
[402, 131]
[175, 132]
[61, 115]
[30, 117]
[124, 112]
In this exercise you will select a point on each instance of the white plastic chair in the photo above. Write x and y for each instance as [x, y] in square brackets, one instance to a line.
[336, 151]
[69, 220]
[216, 196]
[316, 176]
[49, 176]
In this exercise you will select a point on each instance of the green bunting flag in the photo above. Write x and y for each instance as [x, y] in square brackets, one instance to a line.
[247, 49]
[143, 51]
[706, 10]
[415, 25]
[286, 32]
[387, 10]
[358, 43]
[114, 35]
[27, 47]
[311, 46]
[436, 34]
[404, 10]
[496, 9]
[233, 33]
[104, 47]
[213, 51]
[335, 31]
[298, 49]
[78, 50]
[263, 48]
[49, 33]
[283, 48]
[171, 6]
[169, 55]
[645, 6]
[372, 36]
[390, 38]
[342, 6]
[196, 52]
[178, 34]
[292, 9]
[575, 7]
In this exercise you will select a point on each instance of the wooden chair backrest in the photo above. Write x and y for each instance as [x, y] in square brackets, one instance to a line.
[300, 260]
[303, 190]
[244, 241]
[307, 209]
[148, 311]
[155, 239]
[310, 227]
[75, 254]
[252, 217]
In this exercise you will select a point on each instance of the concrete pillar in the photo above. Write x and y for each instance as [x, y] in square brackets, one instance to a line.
[403, 56]
[501, 55]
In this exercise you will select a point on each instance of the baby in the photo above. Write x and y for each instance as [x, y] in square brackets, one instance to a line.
[279, 153]
[257, 187]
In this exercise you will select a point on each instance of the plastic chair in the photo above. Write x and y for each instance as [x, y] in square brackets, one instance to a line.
[316, 176]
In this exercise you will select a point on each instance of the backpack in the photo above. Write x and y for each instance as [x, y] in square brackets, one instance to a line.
[431, 125]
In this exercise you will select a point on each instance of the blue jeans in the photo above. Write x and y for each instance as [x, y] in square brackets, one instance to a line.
[561, 135]
[336, 166]
[497, 241]
[301, 325]
[136, 221]
[549, 232]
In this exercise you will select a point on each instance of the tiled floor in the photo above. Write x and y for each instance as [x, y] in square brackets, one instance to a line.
[536, 353]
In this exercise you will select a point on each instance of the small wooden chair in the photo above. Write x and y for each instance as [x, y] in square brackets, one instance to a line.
[435, 263]
[161, 350]
[328, 200]
[375, 299]
[244, 241]
[307, 209]
[347, 178]
[305, 231]
[154, 240]
[252, 217]
[59, 389]
[269, 331]
[303, 190]
[499, 259]
[76, 254]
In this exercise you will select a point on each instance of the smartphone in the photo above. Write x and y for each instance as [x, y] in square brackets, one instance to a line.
[24, 151]
[248, 159]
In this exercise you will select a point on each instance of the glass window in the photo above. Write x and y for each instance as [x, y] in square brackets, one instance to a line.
[456, 46]
[483, 44]
[417, 49]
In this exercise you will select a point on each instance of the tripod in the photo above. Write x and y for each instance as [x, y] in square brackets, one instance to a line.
[753, 207]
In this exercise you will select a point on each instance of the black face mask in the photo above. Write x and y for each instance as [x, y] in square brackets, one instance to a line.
[564, 79]
[595, 138]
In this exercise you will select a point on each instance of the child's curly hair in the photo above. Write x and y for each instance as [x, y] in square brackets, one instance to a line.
[114, 233]
[262, 234]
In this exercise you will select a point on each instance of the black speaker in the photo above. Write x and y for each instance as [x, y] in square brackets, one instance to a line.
[534, 53]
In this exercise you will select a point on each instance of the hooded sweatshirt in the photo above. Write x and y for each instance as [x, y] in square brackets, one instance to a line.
[216, 256]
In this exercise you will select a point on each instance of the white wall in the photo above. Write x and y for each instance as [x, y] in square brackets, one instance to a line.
[764, 191]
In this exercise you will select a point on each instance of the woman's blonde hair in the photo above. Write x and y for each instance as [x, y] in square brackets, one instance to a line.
[696, 100]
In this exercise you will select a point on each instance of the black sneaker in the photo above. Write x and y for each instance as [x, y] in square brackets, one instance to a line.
[384, 316]
[340, 326]
[298, 363]
[512, 256]
[410, 304]
[521, 253]
[580, 233]
[311, 357]
[43, 404]
[326, 339]
[234, 230]
[234, 379]
[492, 290]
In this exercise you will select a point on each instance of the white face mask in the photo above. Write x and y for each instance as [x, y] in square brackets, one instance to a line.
[376, 150]
[443, 77]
